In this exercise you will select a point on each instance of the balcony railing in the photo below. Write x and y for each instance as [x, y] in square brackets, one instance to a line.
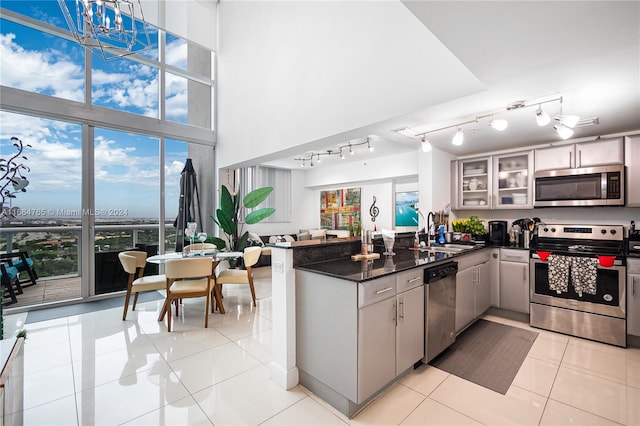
[59, 244]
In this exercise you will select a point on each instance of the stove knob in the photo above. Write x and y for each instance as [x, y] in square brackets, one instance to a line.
[553, 229]
[604, 231]
[613, 232]
[545, 229]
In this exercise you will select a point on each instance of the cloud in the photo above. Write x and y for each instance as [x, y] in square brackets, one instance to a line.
[176, 53]
[46, 71]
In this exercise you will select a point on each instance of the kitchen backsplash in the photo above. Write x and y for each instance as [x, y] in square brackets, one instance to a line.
[572, 215]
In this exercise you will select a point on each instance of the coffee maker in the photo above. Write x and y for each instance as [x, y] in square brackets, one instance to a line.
[498, 233]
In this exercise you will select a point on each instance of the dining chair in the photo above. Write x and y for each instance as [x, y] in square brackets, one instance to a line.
[196, 247]
[186, 278]
[241, 276]
[10, 282]
[133, 263]
[23, 263]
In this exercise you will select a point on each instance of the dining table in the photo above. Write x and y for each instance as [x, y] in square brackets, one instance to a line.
[216, 258]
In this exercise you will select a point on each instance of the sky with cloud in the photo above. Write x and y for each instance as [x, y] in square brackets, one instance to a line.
[126, 166]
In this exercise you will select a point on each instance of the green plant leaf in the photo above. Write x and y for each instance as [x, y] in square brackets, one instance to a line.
[242, 241]
[258, 215]
[226, 221]
[219, 242]
[227, 202]
[256, 196]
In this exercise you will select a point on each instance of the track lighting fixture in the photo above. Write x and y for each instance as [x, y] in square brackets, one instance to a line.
[498, 124]
[458, 138]
[564, 127]
[542, 118]
[317, 156]
[426, 145]
[565, 119]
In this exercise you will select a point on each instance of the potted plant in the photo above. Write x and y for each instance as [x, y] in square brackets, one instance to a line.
[228, 221]
[476, 228]
[472, 227]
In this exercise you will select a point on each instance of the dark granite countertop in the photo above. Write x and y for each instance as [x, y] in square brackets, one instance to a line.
[365, 270]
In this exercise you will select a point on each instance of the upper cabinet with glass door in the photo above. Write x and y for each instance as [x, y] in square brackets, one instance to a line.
[474, 182]
[512, 183]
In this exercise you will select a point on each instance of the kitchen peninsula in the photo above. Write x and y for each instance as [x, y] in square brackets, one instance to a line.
[347, 329]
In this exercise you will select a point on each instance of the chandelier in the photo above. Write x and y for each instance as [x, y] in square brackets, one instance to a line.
[114, 28]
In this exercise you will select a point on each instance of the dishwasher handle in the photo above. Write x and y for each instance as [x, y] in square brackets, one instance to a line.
[439, 272]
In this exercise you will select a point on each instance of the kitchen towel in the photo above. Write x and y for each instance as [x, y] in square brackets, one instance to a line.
[559, 272]
[584, 274]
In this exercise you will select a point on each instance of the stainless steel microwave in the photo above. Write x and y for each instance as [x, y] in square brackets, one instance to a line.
[590, 186]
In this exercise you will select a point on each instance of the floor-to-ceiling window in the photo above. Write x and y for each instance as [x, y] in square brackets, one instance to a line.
[106, 146]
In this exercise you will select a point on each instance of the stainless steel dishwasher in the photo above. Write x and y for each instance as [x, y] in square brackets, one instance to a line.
[440, 304]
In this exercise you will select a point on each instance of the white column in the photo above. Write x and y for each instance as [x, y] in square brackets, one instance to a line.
[283, 280]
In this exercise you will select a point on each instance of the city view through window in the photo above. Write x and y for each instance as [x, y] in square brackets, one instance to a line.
[77, 171]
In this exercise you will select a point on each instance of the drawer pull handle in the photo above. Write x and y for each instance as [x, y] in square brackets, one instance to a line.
[384, 290]
[413, 280]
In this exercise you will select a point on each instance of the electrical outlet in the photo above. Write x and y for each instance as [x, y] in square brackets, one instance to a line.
[278, 267]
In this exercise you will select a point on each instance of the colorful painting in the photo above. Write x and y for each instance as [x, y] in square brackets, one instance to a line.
[406, 213]
[340, 208]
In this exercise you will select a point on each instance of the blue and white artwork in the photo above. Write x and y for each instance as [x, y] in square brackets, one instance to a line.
[406, 213]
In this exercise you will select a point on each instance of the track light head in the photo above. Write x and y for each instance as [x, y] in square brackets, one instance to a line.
[499, 124]
[542, 118]
[426, 145]
[458, 138]
[563, 131]
[569, 120]
[341, 155]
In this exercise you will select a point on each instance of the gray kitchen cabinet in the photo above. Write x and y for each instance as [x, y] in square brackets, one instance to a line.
[410, 311]
[410, 328]
[353, 339]
[514, 280]
[473, 288]
[633, 296]
[465, 294]
[473, 183]
[555, 157]
[376, 347]
[632, 161]
[494, 276]
[512, 181]
[584, 154]
[482, 289]
[600, 152]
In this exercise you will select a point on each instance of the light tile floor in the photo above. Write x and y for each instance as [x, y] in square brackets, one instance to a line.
[96, 369]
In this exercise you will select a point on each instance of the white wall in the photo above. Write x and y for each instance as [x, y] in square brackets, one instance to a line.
[193, 20]
[295, 72]
[385, 168]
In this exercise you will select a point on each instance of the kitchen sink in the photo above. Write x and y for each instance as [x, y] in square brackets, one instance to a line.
[449, 248]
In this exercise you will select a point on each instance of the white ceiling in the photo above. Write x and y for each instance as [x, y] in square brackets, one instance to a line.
[585, 51]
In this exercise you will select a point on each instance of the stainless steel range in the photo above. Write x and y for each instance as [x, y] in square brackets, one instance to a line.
[577, 282]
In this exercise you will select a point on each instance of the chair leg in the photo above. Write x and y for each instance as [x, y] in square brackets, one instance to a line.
[206, 310]
[218, 298]
[135, 301]
[168, 315]
[32, 276]
[253, 291]
[126, 303]
[12, 294]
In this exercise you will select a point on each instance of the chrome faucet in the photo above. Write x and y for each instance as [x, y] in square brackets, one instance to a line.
[430, 228]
